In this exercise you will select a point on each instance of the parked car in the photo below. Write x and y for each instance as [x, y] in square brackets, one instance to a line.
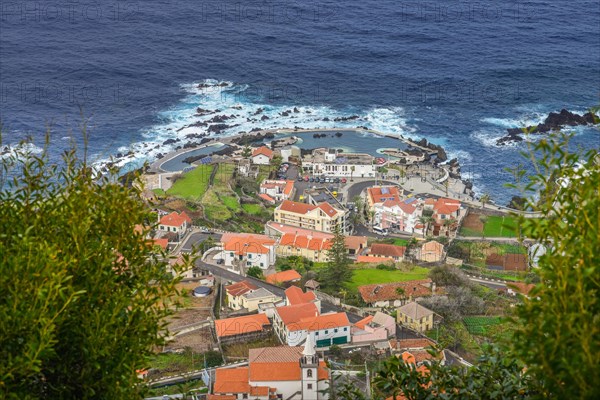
[312, 179]
[221, 261]
[337, 180]
[344, 180]
[300, 179]
[380, 231]
[306, 178]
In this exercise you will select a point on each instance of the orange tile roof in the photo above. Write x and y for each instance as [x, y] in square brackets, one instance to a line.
[266, 197]
[320, 322]
[279, 364]
[305, 242]
[289, 186]
[283, 229]
[283, 276]
[293, 314]
[387, 291]
[387, 250]
[378, 197]
[303, 208]
[446, 206]
[239, 288]
[264, 150]
[162, 242]
[231, 380]
[372, 259]
[175, 219]
[355, 242]
[245, 243]
[295, 296]
[221, 397]
[364, 322]
[241, 325]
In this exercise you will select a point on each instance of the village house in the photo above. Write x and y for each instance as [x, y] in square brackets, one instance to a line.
[396, 293]
[383, 250]
[444, 211]
[282, 277]
[276, 190]
[373, 328]
[399, 215]
[295, 296]
[242, 328]
[330, 162]
[381, 194]
[262, 156]
[431, 251]
[175, 223]
[241, 251]
[275, 373]
[313, 245]
[294, 323]
[245, 295]
[322, 217]
[415, 316]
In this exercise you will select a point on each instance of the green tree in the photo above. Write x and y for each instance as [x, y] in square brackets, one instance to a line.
[338, 270]
[247, 151]
[84, 295]
[255, 272]
[558, 327]
[483, 219]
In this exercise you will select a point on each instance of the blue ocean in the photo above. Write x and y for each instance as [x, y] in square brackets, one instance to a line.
[457, 73]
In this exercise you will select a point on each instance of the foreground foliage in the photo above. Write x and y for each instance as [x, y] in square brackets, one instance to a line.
[83, 294]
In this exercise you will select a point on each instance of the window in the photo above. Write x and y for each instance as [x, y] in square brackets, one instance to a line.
[309, 373]
[309, 386]
[345, 329]
[335, 330]
[317, 334]
[262, 264]
[326, 331]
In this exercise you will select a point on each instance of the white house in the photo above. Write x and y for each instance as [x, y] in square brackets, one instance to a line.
[293, 324]
[332, 163]
[241, 251]
[275, 373]
[175, 223]
[278, 190]
[400, 215]
[262, 155]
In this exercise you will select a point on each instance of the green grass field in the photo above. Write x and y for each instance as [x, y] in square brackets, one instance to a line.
[254, 209]
[370, 276]
[214, 208]
[480, 325]
[193, 184]
[497, 226]
[400, 242]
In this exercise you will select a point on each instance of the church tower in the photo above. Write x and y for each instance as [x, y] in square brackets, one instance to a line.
[309, 364]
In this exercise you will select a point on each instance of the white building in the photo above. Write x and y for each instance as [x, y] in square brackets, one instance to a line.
[175, 223]
[399, 215]
[241, 251]
[331, 163]
[292, 373]
[278, 190]
[262, 156]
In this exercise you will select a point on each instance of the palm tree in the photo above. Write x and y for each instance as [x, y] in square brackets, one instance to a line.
[247, 151]
[425, 220]
[352, 168]
[485, 198]
[343, 293]
[483, 219]
[448, 224]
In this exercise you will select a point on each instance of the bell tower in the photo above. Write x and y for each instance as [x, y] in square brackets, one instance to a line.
[309, 365]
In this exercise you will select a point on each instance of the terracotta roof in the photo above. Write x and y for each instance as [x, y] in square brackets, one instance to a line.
[434, 246]
[407, 344]
[355, 242]
[266, 197]
[373, 259]
[305, 242]
[289, 186]
[239, 288]
[245, 243]
[264, 150]
[303, 208]
[379, 195]
[295, 295]
[387, 250]
[407, 208]
[415, 311]
[283, 229]
[221, 397]
[231, 380]
[162, 242]
[293, 314]
[364, 322]
[279, 364]
[320, 322]
[175, 219]
[446, 206]
[387, 291]
[241, 325]
[283, 276]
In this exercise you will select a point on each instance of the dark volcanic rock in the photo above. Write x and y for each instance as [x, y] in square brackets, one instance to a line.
[201, 111]
[218, 128]
[296, 110]
[259, 111]
[342, 119]
[169, 141]
[285, 114]
[553, 122]
[326, 119]
[338, 134]
[264, 118]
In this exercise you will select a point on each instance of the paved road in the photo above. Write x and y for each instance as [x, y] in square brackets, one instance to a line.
[233, 277]
[196, 238]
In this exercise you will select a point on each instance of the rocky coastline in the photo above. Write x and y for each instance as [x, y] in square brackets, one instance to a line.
[553, 122]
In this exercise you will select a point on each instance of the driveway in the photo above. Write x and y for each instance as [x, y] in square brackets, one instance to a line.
[195, 238]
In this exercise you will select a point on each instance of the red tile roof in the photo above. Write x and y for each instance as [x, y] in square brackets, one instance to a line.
[231, 380]
[175, 219]
[387, 291]
[245, 243]
[279, 364]
[355, 242]
[295, 296]
[364, 322]
[283, 276]
[240, 288]
[320, 322]
[241, 325]
[446, 206]
[305, 242]
[162, 242]
[376, 195]
[387, 250]
[267, 198]
[294, 313]
[303, 208]
[264, 150]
